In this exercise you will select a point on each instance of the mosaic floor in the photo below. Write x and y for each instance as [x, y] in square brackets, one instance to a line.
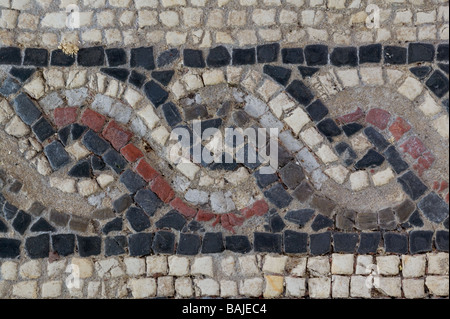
[225, 149]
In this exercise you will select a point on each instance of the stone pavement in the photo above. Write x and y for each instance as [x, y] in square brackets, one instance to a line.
[94, 101]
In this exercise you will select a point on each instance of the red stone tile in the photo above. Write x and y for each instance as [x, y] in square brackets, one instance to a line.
[414, 147]
[424, 163]
[351, 117]
[147, 172]
[446, 197]
[378, 117]
[162, 189]
[131, 153]
[204, 215]
[183, 208]
[436, 185]
[444, 186]
[235, 220]
[399, 127]
[65, 115]
[225, 222]
[93, 120]
[258, 208]
[116, 135]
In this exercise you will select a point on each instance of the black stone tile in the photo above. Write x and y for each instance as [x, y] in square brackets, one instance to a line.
[345, 242]
[26, 109]
[278, 73]
[369, 243]
[171, 114]
[295, 242]
[420, 72]
[193, 58]
[95, 143]
[300, 217]
[347, 154]
[114, 225]
[58, 218]
[116, 56]
[346, 219]
[103, 213]
[376, 138]
[2, 198]
[35, 57]
[267, 53]
[9, 86]
[404, 210]
[367, 221]
[42, 129]
[300, 92]
[370, 53]
[442, 52]
[444, 67]
[372, 159]
[420, 241]
[172, 219]
[15, 187]
[42, 226]
[395, 55]
[137, 219]
[212, 243]
[114, 160]
[351, 129]
[97, 163]
[142, 57]
[38, 246]
[59, 58]
[344, 56]
[148, 201]
[292, 55]
[218, 57]
[212, 123]
[386, 219]
[137, 79]
[240, 118]
[420, 52]
[189, 244]
[442, 240]
[329, 128]
[433, 207]
[320, 244]
[238, 244]
[323, 204]
[278, 196]
[120, 74]
[115, 246]
[194, 226]
[195, 112]
[22, 74]
[394, 158]
[63, 244]
[267, 242]
[3, 227]
[244, 56]
[89, 246]
[395, 243]
[316, 54]
[412, 185]
[163, 77]
[446, 222]
[292, 175]
[317, 110]
[9, 211]
[77, 131]
[307, 72]
[164, 243]
[276, 223]
[321, 222]
[168, 57]
[93, 56]
[140, 244]
[438, 83]
[80, 169]
[10, 55]
[21, 222]
[64, 134]
[415, 219]
[155, 93]
[56, 155]
[9, 248]
[264, 180]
